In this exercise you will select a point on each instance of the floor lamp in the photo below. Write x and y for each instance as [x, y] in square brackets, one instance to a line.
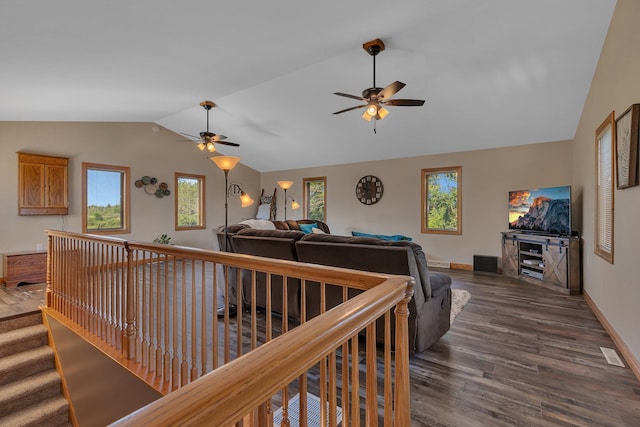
[226, 163]
[285, 185]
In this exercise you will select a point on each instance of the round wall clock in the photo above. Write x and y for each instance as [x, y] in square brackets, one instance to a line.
[369, 190]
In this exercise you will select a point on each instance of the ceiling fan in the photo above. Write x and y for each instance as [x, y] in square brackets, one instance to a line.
[375, 98]
[207, 139]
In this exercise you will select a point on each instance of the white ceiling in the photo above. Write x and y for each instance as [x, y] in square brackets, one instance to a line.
[493, 72]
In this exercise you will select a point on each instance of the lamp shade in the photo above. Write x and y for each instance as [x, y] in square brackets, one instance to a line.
[226, 163]
[294, 204]
[285, 185]
[245, 199]
[202, 146]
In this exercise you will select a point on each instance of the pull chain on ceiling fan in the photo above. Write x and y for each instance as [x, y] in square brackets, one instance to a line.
[207, 139]
[376, 98]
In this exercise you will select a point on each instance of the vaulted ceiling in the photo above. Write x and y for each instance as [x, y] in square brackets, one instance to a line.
[493, 72]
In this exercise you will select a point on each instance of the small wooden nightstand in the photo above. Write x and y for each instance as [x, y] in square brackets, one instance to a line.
[24, 267]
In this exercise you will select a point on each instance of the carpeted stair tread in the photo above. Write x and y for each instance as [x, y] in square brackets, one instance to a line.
[31, 390]
[51, 412]
[22, 339]
[21, 321]
[21, 365]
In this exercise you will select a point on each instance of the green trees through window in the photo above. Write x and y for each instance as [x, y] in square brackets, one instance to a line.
[105, 198]
[441, 202]
[315, 198]
[189, 201]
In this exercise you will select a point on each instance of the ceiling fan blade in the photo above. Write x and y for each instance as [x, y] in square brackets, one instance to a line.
[349, 109]
[390, 90]
[217, 138]
[359, 98]
[404, 102]
[232, 144]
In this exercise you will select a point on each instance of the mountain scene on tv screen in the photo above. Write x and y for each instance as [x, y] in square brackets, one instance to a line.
[531, 212]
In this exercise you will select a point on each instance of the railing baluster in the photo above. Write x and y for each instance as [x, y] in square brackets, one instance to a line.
[126, 294]
[355, 381]
[388, 387]
[175, 361]
[371, 415]
[194, 314]
[184, 368]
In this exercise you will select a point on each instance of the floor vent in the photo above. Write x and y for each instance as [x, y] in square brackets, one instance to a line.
[438, 263]
[612, 357]
[313, 412]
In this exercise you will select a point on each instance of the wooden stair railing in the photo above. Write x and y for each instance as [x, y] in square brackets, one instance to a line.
[152, 308]
[224, 396]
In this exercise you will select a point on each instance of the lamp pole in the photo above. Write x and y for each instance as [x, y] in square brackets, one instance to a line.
[226, 163]
[226, 208]
[285, 185]
[285, 204]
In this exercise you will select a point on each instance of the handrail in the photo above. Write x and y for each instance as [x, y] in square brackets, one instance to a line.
[215, 399]
[153, 308]
[352, 278]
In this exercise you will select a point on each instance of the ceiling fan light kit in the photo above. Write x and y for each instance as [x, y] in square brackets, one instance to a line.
[209, 139]
[376, 98]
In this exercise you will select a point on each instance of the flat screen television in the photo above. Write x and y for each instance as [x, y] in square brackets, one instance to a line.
[541, 210]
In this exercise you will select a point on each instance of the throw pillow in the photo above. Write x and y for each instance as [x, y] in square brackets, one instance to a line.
[395, 237]
[315, 230]
[308, 228]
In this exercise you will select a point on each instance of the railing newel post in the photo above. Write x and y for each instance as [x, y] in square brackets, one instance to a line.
[402, 400]
[130, 332]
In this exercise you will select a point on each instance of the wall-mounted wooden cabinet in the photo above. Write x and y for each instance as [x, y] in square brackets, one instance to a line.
[43, 185]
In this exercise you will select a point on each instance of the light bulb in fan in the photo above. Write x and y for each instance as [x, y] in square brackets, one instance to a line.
[372, 110]
[211, 147]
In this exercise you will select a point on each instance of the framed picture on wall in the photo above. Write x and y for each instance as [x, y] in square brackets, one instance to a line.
[627, 127]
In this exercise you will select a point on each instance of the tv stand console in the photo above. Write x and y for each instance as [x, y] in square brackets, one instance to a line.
[549, 261]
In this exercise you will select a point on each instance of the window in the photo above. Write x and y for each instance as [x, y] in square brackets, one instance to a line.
[605, 135]
[315, 198]
[105, 199]
[441, 200]
[190, 211]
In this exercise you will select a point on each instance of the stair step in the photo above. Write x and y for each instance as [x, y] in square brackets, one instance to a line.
[23, 339]
[25, 364]
[51, 412]
[20, 321]
[29, 391]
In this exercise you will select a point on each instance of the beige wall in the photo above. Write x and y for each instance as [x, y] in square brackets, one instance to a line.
[124, 144]
[487, 177]
[615, 289]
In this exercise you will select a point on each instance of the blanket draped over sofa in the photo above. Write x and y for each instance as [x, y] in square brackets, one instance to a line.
[429, 309]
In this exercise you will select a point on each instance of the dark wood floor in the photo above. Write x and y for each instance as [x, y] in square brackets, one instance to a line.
[517, 355]
[520, 355]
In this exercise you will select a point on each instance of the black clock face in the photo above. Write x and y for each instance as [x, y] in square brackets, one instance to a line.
[369, 190]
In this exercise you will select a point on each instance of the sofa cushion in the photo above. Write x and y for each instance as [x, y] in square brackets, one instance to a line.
[421, 260]
[394, 237]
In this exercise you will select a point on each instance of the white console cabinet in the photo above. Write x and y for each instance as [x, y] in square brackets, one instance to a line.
[549, 261]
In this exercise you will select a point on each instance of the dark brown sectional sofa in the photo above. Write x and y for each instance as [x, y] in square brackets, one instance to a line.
[429, 309]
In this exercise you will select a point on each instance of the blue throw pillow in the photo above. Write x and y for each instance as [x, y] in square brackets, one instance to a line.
[307, 228]
[395, 237]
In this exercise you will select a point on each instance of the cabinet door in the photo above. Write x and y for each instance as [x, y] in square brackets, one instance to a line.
[56, 190]
[555, 265]
[509, 257]
[31, 187]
